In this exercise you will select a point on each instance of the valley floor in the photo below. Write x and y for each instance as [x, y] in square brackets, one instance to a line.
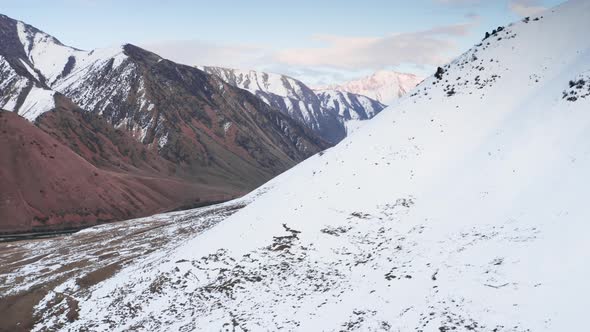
[32, 269]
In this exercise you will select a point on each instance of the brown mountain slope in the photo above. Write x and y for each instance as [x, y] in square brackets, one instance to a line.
[93, 138]
[191, 118]
[46, 186]
[167, 135]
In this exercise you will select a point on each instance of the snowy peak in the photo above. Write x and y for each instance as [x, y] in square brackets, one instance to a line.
[30, 37]
[384, 86]
[350, 106]
[18, 37]
[35, 65]
[325, 113]
[38, 49]
[24, 89]
[254, 81]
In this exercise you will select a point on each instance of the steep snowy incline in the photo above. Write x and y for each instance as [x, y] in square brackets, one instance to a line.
[350, 106]
[34, 65]
[352, 109]
[460, 207]
[326, 113]
[23, 94]
[384, 86]
[23, 88]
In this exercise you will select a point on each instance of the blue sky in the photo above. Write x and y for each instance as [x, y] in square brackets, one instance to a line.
[321, 41]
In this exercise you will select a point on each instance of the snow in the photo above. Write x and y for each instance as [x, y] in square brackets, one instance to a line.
[49, 57]
[462, 210]
[353, 125]
[384, 86]
[255, 82]
[79, 86]
[462, 206]
[350, 106]
[45, 53]
[37, 102]
[162, 141]
[10, 80]
[226, 127]
[29, 69]
[23, 36]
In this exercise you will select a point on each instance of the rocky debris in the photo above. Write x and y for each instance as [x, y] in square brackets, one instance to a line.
[578, 88]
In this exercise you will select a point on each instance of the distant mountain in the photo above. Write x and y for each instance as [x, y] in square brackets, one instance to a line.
[325, 114]
[211, 132]
[384, 86]
[351, 108]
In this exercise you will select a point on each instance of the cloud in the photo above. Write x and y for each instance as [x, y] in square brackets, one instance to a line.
[458, 2]
[196, 52]
[526, 7]
[336, 58]
[428, 47]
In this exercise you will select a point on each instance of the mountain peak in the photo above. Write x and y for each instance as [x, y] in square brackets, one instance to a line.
[383, 85]
[140, 54]
[12, 29]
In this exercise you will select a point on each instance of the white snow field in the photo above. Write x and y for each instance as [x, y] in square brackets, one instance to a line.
[462, 207]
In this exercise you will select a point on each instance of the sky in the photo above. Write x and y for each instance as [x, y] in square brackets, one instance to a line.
[318, 41]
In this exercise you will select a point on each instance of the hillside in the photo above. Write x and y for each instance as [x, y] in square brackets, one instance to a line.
[48, 187]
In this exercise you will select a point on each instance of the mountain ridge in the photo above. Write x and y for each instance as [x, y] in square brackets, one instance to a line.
[194, 126]
[324, 113]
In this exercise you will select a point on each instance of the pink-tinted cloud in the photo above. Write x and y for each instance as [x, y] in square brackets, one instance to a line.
[428, 47]
[526, 7]
[196, 52]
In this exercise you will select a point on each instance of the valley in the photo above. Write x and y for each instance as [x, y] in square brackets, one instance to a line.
[460, 206]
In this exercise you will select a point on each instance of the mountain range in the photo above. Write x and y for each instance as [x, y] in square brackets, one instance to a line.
[131, 113]
[462, 207]
[326, 112]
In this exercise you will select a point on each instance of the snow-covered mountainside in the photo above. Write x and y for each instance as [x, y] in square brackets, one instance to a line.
[325, 113]
[384, 86]
[353, 109]
[23, 88]
[34, 65]
[460, 207]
